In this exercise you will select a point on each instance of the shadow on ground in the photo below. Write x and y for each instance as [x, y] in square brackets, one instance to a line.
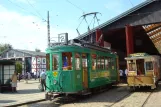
[24, 91]
[7, 101]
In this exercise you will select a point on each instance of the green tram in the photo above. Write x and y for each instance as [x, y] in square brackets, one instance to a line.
[79, 68]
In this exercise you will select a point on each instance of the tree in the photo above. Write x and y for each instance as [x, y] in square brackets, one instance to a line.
[37, 50]
[4, 47]
[18, 67]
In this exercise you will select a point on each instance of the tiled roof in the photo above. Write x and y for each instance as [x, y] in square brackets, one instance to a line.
[32, 52]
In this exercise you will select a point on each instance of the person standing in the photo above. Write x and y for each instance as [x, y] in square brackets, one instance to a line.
[19, 77]
[14, 82]
[35, 76]
[121, 75]
[42, 79]
[125, 76]
[26, 77]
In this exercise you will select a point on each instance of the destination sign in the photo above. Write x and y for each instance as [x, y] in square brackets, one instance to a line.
[138, 54]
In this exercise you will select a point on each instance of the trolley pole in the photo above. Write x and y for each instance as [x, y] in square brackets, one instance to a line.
[48, 30]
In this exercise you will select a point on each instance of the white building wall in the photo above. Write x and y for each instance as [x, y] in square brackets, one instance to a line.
[38, 64]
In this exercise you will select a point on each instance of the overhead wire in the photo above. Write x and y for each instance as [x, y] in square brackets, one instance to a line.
[76, 6]
[35, 9]
[131, 3]
[24, 9]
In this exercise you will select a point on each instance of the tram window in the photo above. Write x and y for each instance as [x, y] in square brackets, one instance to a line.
[84, 60]
[93, 61]
[77, 61]
[47, 62]
[67, 60]
[98, 62]
[106, 63]
[55, 62]
[132, 66]
[112, 63]
[149, 65]
[102, 63]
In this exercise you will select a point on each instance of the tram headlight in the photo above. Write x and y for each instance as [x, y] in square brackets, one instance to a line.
[55, 81]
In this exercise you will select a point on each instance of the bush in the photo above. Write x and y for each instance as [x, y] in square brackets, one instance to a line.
[18, 67]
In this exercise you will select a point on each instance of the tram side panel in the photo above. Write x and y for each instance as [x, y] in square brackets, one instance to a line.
[100, 76]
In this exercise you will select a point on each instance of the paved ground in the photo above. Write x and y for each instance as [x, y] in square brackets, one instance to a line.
[117, 97]
[26, 93]
[103, 99]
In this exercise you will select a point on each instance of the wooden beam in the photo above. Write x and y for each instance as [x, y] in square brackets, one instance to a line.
[154, 32]
[156, 37]
[156, 41]
[151, 27]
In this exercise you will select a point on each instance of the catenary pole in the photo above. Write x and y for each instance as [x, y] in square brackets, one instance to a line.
[48, 29]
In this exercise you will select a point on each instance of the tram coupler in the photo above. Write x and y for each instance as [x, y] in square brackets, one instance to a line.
[50, 96]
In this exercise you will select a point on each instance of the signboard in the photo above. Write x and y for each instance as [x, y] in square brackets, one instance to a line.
[138, 54]
[63, 38]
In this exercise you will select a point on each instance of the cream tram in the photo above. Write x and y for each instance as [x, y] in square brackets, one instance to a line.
[143, 70]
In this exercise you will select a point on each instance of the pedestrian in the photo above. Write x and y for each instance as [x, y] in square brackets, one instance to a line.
[19, 77]
[125, 75]
[26, 77]
[35, 76]
[121, 75]
[29, 76]
[14, 82]
[42, 79]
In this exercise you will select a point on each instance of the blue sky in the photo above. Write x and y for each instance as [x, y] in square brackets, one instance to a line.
[22, 25]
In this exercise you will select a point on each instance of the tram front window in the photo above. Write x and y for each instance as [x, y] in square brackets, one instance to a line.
[132, 66]
[67, 61]
[149, 65]
[55, 62]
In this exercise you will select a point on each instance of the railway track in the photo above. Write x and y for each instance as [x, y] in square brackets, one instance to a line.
[146, 99]
[120, 99]
[116, 97]
[140, 97]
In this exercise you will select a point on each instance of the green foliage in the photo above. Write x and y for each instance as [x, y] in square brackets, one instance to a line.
[4, 47]
[18, 67]
[37, 50]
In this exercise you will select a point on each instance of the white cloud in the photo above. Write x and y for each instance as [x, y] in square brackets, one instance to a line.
[26, 32]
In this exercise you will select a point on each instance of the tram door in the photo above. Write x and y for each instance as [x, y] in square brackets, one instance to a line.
[140, 67]
[85, 70]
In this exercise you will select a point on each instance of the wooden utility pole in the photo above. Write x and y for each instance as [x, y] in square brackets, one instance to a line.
[48, 30]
